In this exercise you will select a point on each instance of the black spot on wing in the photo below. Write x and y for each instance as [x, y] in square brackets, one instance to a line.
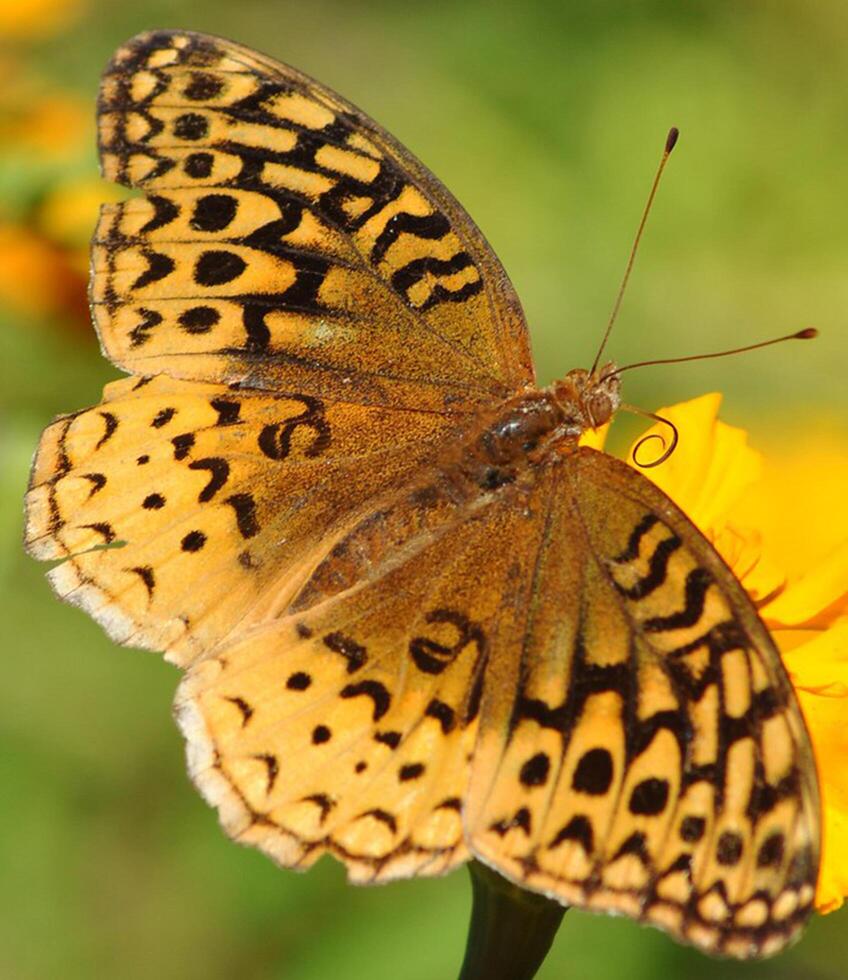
[355, 654]
[191, 126]
[245, 511]
[145, 573]
[159, 266]
[193, 541]
[217, 267]
[202, 86]
[273, 767]
[244, 708]
[219, 472]
[535, 770]
[111, 425]
[163, 417]
[771, 851]
[299, 681]
[692, 829]
[593, 773]
[164, 212]
[213, 212]
[228, 410]
[321, 734]
[182, 445]
[649, 798]
[372, 689]
[578, 828]
[199, 319]
[97, 481]
[391, 739]
[198, 166]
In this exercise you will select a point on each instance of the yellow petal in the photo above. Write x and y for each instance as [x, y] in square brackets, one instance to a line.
[711, 466]
[594, 438]
[817, 598]
[819, 664]
[825, 717]
[745, 552]
[833, 875]
[799, 505]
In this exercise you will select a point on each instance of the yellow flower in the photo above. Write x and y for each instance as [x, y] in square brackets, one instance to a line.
[782, 527]
[37, 18]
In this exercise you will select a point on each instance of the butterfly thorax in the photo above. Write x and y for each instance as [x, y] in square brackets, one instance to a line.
[537, 422]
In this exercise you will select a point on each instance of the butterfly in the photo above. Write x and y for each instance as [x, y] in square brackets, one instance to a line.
[419, 622]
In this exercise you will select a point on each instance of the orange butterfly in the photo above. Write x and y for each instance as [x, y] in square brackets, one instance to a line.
[419, 622]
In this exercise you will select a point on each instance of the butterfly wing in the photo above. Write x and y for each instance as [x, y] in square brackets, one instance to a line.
[180, 508]
[287, 241]
[645, 754]
[348, 724]
[319, 315]
[561, 678]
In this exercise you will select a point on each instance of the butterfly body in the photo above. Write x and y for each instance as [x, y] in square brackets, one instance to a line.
[419, 622]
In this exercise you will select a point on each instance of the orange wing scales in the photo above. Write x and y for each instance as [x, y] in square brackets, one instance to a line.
[348, 724]
[287, 241]
[181, 508]
[667, 775]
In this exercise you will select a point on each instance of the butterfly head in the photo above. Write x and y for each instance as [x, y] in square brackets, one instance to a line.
[588, 399]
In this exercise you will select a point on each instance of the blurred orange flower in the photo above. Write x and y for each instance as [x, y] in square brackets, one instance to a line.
[37, 277]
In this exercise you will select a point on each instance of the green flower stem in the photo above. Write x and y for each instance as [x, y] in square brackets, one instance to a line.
[511, 929]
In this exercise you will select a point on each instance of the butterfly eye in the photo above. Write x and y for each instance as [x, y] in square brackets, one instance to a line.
[600, 408]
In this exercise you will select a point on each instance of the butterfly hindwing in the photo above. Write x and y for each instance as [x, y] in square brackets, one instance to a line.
[653, 760]
[286, 240]
[348, 724]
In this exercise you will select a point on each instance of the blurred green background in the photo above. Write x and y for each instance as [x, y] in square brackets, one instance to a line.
[546, 119]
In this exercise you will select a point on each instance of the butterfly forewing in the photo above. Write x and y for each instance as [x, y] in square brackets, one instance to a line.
[286, 240]
[663, 770]
[181, 507]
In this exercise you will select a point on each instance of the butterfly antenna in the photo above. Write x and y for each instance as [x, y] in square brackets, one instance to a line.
[670, 141]
[808, 333]
[668, 448]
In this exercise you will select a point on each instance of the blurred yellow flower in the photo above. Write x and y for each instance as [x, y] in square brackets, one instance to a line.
[782, 527]
[45, 123]
[21, 19]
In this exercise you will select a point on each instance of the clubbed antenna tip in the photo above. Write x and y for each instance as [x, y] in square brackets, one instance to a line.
[671, 139]
[806, 334]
